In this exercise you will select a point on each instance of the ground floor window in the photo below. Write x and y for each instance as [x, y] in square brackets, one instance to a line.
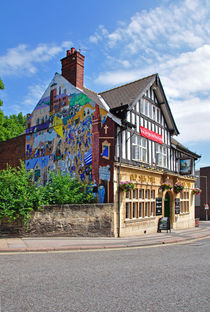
[152, 209]
[147, 204]
[184, 202]
[128, 210]
[140, 203]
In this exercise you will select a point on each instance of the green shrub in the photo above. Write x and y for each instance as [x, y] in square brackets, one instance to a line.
[61, 189]
[18, 195]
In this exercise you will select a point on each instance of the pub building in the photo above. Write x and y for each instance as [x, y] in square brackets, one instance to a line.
[159, 169]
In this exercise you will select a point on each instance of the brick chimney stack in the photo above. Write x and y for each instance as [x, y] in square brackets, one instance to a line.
[73, 67]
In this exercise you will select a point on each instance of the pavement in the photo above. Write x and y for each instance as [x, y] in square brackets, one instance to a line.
[44, 244]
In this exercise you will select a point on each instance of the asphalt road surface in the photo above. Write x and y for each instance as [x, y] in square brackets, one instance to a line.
[166, 278]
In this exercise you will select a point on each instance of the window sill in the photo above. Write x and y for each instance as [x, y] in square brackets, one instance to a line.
[139, 220]
[183, 213]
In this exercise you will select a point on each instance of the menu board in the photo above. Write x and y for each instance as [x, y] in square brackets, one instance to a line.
[159, 206]
[164, 224]
[177, 206]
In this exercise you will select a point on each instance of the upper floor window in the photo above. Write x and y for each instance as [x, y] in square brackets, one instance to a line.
[139, 148]
[151, 111]
[161, 155]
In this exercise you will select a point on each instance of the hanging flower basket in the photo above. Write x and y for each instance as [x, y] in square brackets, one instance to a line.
[166, 186]
[126, 186]
[196, 191]
[178, 187]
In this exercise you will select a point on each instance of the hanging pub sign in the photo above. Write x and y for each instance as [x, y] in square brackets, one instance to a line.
[177, 206]
[185, 166]
[159, 206]
[151, 135]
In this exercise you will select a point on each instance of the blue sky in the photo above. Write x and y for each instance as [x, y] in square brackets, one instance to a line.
[122, 41]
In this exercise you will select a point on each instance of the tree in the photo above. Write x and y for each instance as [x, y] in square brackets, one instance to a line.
[1, 88]
[10, 126]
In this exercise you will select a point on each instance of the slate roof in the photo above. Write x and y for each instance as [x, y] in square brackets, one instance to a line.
[93, 96]
[183, 149]
[98, 100]
[127, 93]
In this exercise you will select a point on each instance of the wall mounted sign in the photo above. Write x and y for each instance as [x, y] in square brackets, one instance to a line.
[177, 206]
[159, 206]
[185, 166]
[104, 173]
[105, 150]
[151, 135]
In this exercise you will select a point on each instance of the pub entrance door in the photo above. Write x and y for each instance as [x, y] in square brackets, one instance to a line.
[167, 206]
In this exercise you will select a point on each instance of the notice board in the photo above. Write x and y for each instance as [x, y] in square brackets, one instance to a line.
[159, 206]
[177, 206]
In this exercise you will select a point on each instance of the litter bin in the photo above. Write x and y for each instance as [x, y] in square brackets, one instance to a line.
[197, 222]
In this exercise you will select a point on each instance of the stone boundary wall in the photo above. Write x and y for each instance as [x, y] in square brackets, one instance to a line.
[92, 220]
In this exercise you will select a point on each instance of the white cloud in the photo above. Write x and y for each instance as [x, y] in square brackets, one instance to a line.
[173, 40]
[184, 23]
[32, 97]
[22, 60]
[117, 77]
[192, 118]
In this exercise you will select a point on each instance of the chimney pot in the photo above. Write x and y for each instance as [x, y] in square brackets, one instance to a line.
[68, 52]
[72, 50]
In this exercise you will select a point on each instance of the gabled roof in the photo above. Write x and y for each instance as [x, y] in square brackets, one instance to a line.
[100, 101]
[127, 93]
[160, 94]
[181, 148]
[131, 92]
[94, 96]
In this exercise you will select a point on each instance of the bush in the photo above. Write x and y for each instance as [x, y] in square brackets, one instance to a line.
[18, 195]
[61, 189]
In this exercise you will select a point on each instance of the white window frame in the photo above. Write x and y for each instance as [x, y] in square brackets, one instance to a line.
[139, 149]
[161, 156]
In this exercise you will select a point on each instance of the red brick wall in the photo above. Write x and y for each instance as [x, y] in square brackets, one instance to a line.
[204, 172]
[107, 134]
[12, 151]
[73, 68]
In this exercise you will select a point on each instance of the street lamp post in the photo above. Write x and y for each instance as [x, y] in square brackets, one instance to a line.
[205, 177]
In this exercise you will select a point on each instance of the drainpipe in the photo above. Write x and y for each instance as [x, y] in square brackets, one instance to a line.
[119, 167]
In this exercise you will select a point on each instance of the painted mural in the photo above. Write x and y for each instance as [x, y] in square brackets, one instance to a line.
[59, 134]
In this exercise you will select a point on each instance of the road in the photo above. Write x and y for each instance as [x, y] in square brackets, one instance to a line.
[165, 278]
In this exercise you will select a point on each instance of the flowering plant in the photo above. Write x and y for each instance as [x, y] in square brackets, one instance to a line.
[178, 187]
[126, 186]
[166, 186]
[196, 191]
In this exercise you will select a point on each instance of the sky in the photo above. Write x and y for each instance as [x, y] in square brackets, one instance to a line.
[122, 41]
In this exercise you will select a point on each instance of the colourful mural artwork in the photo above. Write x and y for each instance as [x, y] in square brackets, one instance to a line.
[79, 99]
[60, 136]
